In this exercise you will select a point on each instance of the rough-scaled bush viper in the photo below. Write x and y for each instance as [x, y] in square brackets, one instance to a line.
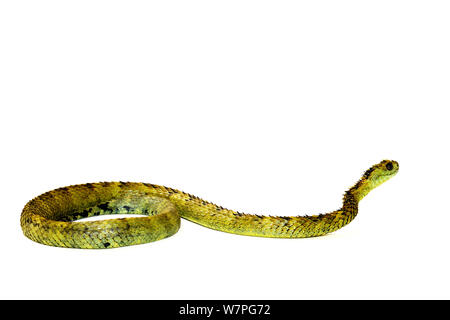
[50, 217]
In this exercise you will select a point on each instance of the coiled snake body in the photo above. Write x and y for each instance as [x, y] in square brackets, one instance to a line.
[50, 218]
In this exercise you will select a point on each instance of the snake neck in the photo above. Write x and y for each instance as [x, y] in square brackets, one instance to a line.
[354, 195]
[350, 203]
[359, 190]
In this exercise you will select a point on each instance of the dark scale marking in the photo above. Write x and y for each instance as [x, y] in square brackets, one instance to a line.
[127, 208]
[90, 185]
[104, 206]
[106, 244]
[84, 213]
[316, 218]
[368, 172]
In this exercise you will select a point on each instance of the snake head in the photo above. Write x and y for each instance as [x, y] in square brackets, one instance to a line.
[381, 172]
[374, 177]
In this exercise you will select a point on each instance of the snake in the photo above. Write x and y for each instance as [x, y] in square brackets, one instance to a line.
[55, 218]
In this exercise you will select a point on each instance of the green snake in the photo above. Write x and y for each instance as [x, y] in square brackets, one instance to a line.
[51, 217]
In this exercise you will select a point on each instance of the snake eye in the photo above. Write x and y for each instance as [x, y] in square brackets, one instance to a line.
[389, 166]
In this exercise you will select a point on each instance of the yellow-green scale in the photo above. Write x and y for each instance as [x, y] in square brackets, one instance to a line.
[50, 218]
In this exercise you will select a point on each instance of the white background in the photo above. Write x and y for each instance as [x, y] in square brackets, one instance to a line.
[272, 107]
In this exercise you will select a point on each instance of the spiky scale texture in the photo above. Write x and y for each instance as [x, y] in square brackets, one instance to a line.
[51, 217]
